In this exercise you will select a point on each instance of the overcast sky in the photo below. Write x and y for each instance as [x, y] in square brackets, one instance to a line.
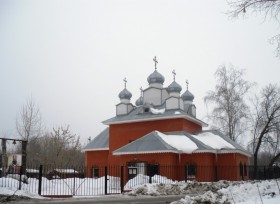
[71, 56]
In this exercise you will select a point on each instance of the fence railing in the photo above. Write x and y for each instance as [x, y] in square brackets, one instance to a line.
[90, 181]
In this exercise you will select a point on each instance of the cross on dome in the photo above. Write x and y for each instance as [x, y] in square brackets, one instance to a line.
[141, 91]
[125, 81]
[155, 60]
[174, 74]
[187, 82]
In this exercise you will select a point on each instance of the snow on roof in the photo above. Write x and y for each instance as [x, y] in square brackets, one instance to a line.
[214, 141]
[66, 171]
[157, 111]
[179, 142]
[32, 170]
[135, 116]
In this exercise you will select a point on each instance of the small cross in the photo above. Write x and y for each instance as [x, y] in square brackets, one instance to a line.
[187, 82]
[125, 81]
[155, 60]
[174, 74]
[141, 90]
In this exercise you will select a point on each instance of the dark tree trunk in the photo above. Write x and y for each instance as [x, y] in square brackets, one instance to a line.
[274, 159]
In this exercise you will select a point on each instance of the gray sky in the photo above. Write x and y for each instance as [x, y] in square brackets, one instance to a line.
[71, 56]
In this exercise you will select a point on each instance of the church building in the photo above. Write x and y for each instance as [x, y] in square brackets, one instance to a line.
[161, 133]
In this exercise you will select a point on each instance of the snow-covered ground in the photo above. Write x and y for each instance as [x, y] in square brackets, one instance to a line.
[248, 192]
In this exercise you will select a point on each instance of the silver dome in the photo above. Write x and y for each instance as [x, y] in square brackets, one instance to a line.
[139, 101]
[125, 94]
[155, 77]
[174, 87]
[187, 96]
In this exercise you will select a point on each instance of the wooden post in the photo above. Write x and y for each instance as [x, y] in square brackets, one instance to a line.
[23, 152]
[4, 157]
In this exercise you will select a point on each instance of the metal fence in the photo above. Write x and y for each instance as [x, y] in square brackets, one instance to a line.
[55, 181]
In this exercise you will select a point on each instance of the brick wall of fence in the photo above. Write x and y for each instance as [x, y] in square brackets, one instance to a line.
[58, 181]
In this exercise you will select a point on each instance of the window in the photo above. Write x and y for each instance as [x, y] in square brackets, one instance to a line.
[241, 169]
[146, 110]
[245, 169]
[190, 171]
[95, 172]
[135, 168]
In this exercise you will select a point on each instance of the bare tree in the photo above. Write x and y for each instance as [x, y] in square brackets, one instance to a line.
[265, 122]
[275, 146]
[240, 7]
[29, 123]
[61, 147]
[228, 100]
[29, 126]
[270, 8]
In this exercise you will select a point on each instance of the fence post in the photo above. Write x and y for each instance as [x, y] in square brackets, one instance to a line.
[74, 181]
[40, 179]
[149, 173]
[106, 172]
[122, 179]
[20, 178]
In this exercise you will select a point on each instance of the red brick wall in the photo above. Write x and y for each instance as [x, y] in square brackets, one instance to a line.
[95, 159]
[191, 127]
[228, 166]
[122, 134]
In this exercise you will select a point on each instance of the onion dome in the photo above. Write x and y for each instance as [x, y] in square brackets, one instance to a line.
[125, 94]
[139, 101]
[155, 77]
[187, 96]
[174, 87]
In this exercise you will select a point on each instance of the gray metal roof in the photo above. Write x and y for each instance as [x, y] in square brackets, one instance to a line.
[148, 143]
[137, 115]
[153, 143]
[236, 145]
[100, 142]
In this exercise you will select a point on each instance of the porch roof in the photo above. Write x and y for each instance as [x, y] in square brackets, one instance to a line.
[157, 142]
[182, 142]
